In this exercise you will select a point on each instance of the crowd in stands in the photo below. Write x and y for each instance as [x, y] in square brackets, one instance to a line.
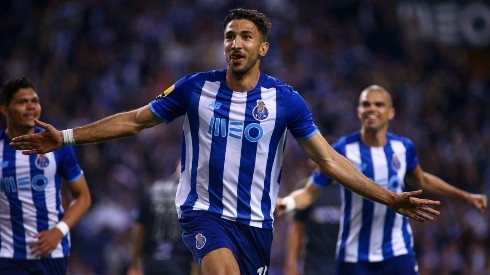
[92, 58]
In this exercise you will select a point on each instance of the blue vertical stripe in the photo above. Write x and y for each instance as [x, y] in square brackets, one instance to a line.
[193, 117]
[38, 196]
[387, 248]
[16, 212]
[367, 205]
[411, 160]
[65, 244]
[346, 222]
[407, 236]
[217, 154]
[276, 136]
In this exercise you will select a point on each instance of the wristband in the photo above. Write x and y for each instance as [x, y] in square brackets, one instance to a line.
[289, 203]
[63, 227]
[68, 137]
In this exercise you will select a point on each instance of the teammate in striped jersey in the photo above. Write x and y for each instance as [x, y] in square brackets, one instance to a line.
[373, 239]
[235, 123]
[34, 226]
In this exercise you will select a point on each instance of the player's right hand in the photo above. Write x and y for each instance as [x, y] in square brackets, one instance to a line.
[415, 208]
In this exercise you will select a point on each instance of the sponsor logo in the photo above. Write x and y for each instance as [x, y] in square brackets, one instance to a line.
[253, 132]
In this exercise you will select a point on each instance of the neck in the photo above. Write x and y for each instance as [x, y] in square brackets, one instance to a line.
[13, 132]
[374, 138]
[242, 82]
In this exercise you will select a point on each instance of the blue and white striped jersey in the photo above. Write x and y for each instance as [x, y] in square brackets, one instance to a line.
[30, 197]
[233, 143]
[370, 231]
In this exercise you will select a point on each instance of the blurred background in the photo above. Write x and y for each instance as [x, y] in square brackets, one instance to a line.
[92, 58]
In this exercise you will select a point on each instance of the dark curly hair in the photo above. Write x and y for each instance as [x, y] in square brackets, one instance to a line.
[13, 86]
[259, 19]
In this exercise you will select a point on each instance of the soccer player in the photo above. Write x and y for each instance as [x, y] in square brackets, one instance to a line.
[34, 227]
[235, 125]
[373, 239]
[157, 246]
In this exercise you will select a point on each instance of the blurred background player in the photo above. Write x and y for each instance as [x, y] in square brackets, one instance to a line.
[34, 227]
[157, 246]
[372, 238]
[312, 233]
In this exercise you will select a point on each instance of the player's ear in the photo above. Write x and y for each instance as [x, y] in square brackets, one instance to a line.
[391, 113]
[4, 109]
[264, 48]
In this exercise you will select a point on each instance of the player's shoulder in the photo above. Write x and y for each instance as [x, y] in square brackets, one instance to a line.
[394, 137]
[268, 81]
[213, 75]
[349, 138]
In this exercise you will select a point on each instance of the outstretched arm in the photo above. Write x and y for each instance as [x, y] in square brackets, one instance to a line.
[436, 185]
[341, 170]
[116, 126]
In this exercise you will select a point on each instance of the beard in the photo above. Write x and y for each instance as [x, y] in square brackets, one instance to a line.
[242, 70]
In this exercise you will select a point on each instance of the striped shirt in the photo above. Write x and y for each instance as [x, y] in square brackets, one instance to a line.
[30, 197]
[233, 143]
[370, 231]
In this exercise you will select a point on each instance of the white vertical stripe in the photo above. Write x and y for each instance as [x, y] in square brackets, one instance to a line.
[23, 170]
[401, 153]
[398, 242]
[184, 186]
[353, 153]
[381, 175]
[276, 170]
[233, 153]
[50, 199]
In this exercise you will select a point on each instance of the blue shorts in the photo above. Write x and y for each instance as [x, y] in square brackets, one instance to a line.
[204, 232]
[399, 265]
[45, 266]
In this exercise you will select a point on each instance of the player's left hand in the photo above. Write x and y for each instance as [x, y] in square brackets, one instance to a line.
[47, 241]
[479, 201]
[39, 143]
[415, 208]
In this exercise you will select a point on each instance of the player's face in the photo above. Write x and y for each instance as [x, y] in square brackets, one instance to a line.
[23, 109]
[243, 46]
[375, 110]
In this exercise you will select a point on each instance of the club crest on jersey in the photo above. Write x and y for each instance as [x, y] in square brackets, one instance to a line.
[42, 162]
[200, 241]
[260, 112]
[395, 162]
